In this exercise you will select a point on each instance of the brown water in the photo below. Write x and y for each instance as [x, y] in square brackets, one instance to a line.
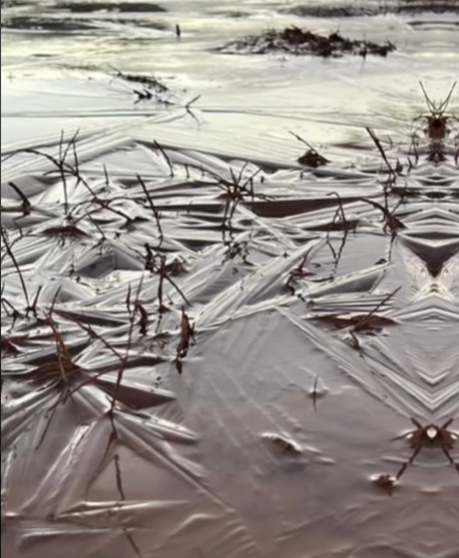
[323, 323]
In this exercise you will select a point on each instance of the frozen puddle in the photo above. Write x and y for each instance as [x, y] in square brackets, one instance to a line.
[229, 283]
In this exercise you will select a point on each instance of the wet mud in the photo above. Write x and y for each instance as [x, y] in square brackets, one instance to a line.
[229, 291]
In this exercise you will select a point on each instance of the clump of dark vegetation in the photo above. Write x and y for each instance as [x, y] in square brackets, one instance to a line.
[187, 338]
[311, 158]
[148, 81]
[294, 40]
[147, 87]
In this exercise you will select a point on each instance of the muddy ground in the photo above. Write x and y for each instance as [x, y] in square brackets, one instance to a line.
[229, 283]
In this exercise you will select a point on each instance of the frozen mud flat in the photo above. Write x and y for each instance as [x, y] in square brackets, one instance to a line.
[229, 283]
